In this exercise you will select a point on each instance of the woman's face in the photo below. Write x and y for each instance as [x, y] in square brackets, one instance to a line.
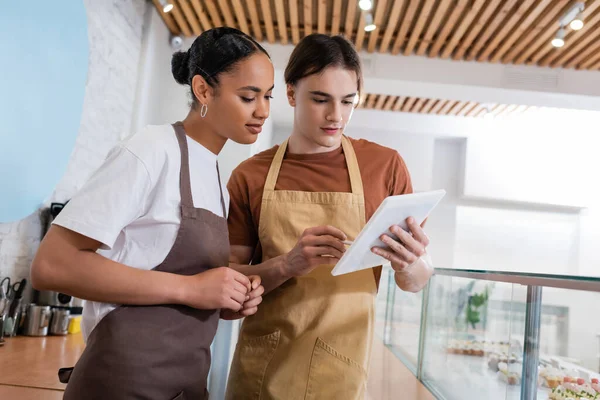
[323, 105]
[241, 103]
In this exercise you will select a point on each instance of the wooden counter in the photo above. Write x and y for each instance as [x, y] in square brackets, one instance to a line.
[30, 365]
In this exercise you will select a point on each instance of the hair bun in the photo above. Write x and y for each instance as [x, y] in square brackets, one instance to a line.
[180, 67]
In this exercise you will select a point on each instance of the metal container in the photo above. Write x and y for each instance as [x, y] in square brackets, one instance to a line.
[37, 320]
[59, 324]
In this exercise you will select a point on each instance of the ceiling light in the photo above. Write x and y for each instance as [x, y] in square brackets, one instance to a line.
[369, 26]
[166, 6]
[577, 23]
[559, 39]
[365, 5]
[573, 17]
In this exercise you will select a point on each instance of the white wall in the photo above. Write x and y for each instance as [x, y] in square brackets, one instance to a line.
[115, 39]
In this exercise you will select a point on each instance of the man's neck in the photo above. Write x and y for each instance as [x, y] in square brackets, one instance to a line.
[300, 144]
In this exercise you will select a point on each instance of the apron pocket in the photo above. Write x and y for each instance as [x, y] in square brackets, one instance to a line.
[334, 376]
[247, 374]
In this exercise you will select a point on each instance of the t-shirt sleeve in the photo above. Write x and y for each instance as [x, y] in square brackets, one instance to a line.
[401, 181]
[114, 196]
[242, 230]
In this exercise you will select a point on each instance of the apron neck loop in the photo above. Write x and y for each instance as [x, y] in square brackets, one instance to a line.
[185, 186]
[351, 162]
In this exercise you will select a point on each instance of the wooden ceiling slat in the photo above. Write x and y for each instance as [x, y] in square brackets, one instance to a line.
[406, 23]
[281, 21]
[201, 13]
[418, 105]
[510, 109]
[294, 21]
[447, 107]
[361, 100]
[415, 34]
[399, 103]
[391, 26]
[168, 18]
[241, 16]
[593, 55]
[408, 104]
[465, 22]
[256, 28]
[480, 23]
[491, 27]
[360, 34]
[389, 103]
[350, 16]
[374, 35]
[265, 6]
[520, 29]
[498, 109]
[190, 16]
[213, 12]
[578, 42]
[308, 12]
[582, 59]
[520, 109]
[371, 101]
[570, 38]
[336, 17]
[229, 20]
[481, 113]
[470, 106]
[180, 19]
[505, 32]
[440, 12]
[380, 102]
[322, 16]
[438, 106]
[545, 34]
[549, 16]
[595, 66]
[475, 110]
[457, 108]
[450, 24]
[428, 106]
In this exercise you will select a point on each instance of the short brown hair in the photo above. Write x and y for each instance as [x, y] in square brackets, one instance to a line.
[316, 52]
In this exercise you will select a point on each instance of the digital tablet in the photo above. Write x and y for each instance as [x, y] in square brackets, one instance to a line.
[394, 210]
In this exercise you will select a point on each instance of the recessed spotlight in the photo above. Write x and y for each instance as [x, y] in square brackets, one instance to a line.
[365, 5]
[369, 26]
[559, 39]
[166, 6]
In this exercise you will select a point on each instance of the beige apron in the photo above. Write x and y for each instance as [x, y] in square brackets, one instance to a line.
[311, 337]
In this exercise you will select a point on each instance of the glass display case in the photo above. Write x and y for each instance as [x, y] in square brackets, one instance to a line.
[497, 335]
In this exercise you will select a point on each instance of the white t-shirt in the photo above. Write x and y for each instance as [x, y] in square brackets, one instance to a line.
[131, 203]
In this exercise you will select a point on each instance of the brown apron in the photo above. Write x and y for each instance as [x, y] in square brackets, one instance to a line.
[311, 337]
[158, 352]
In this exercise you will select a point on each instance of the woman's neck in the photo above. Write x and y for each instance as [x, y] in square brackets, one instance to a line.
[197, 128]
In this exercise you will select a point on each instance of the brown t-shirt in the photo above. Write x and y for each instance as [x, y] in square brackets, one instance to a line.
[383, 173]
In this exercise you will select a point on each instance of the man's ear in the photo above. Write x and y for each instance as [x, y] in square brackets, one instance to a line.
[291, 94]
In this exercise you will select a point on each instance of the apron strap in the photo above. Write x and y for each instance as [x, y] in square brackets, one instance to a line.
[185, 186]
[275, 167]
[351, 162]
[221, 190]
[353, 170]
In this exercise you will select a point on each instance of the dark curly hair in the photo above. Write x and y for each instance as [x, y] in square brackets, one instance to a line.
[214, 52]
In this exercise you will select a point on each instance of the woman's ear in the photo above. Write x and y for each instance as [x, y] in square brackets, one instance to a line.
[291, 94]
[202, 90]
